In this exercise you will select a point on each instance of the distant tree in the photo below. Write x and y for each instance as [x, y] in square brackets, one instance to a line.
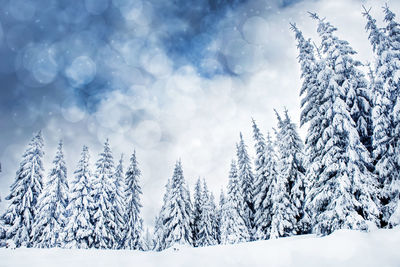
[246, 179]
[119, 200]
[103, 190]
[80, 229]
[177, 219]
[50, 220]
[233, 227]
[197, 210]
[265, 168]
[25, 191]
[207, 230]
[133, 192]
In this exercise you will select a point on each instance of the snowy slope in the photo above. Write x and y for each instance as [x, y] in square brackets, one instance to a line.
[342, 248]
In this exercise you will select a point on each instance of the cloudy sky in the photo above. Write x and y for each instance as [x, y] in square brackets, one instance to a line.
[171, 79]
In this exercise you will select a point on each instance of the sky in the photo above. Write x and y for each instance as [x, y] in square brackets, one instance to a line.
[169, 79]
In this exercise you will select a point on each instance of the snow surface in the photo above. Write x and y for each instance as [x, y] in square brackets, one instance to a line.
[342, 248]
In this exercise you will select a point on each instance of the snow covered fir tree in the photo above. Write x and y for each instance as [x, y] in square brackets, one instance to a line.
[344, 175]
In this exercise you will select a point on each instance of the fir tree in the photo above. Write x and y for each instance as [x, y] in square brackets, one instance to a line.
[344, 190]
[207, 231]
[246, 179]
[265, 167]
[103, 191]
[221, 203]
[119, 205]
[197, 210]
[177, 219]
[50, 219]
[233, 227]
[159, 227]
[80, 229]
[132, 193]
[25, 191]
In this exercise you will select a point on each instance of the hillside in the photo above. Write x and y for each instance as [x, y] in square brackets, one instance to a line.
[342, 248]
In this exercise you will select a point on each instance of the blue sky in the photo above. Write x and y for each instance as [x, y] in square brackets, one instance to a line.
[171, 79]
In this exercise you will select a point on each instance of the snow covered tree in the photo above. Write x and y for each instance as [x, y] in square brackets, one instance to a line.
[265, 168]
[222, 200]
[233, 227]
[291, 169]
[343, 194]
[177, 220]
[103, 192]
[197, 210]
[159, 227]
[386, 119]
[246, 179]
[119, 205]
[50, 219]
[133, 205]
[25, 191]
[80, 229]
[207, 230]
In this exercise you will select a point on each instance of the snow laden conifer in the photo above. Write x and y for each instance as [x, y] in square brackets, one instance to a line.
[219, 211]
[80, 229]
[207, 227]
[197, 210]
[246, 179]
[233, 227]
[344, 190]
[265, 168]
[177, 219]
[159, 227]
[385, 43]
[25, 191]
[292, 169]
[50, 220]
[312, 98]
[283, 221]
[103, 192]
[391, 186]
[133, 192]
[119, 205]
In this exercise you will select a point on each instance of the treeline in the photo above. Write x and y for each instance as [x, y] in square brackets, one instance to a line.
[346, 175]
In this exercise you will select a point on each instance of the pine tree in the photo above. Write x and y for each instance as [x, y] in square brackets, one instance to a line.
[178, 211]
[247, 179]
[207, 230]
[386, 129]
[159, 227]
[132, 193]
[391, 185]
[103, 191]
[50, 219]
[80, 229]
[265, 167]
[119, 205]
[197, 210]
[24, 194]
[233, 227]
[219, 212]
[343, 194]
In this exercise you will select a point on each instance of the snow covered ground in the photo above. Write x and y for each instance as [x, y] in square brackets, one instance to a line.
[342, 248]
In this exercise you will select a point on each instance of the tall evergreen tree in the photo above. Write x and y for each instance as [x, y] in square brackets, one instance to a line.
[159, 227]
[120, 204]
[265, 167]
[197, 210]
[80, 229]
[103, 192]
[391, 186]
[219, 211]
[246, 178]
[207, 230]
[50, 219]
[25, 190]
[343, 194]
[233, 227]
[133, 193]
[177, 219]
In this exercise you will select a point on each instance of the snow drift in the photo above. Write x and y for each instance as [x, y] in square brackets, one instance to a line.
[342, 248]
